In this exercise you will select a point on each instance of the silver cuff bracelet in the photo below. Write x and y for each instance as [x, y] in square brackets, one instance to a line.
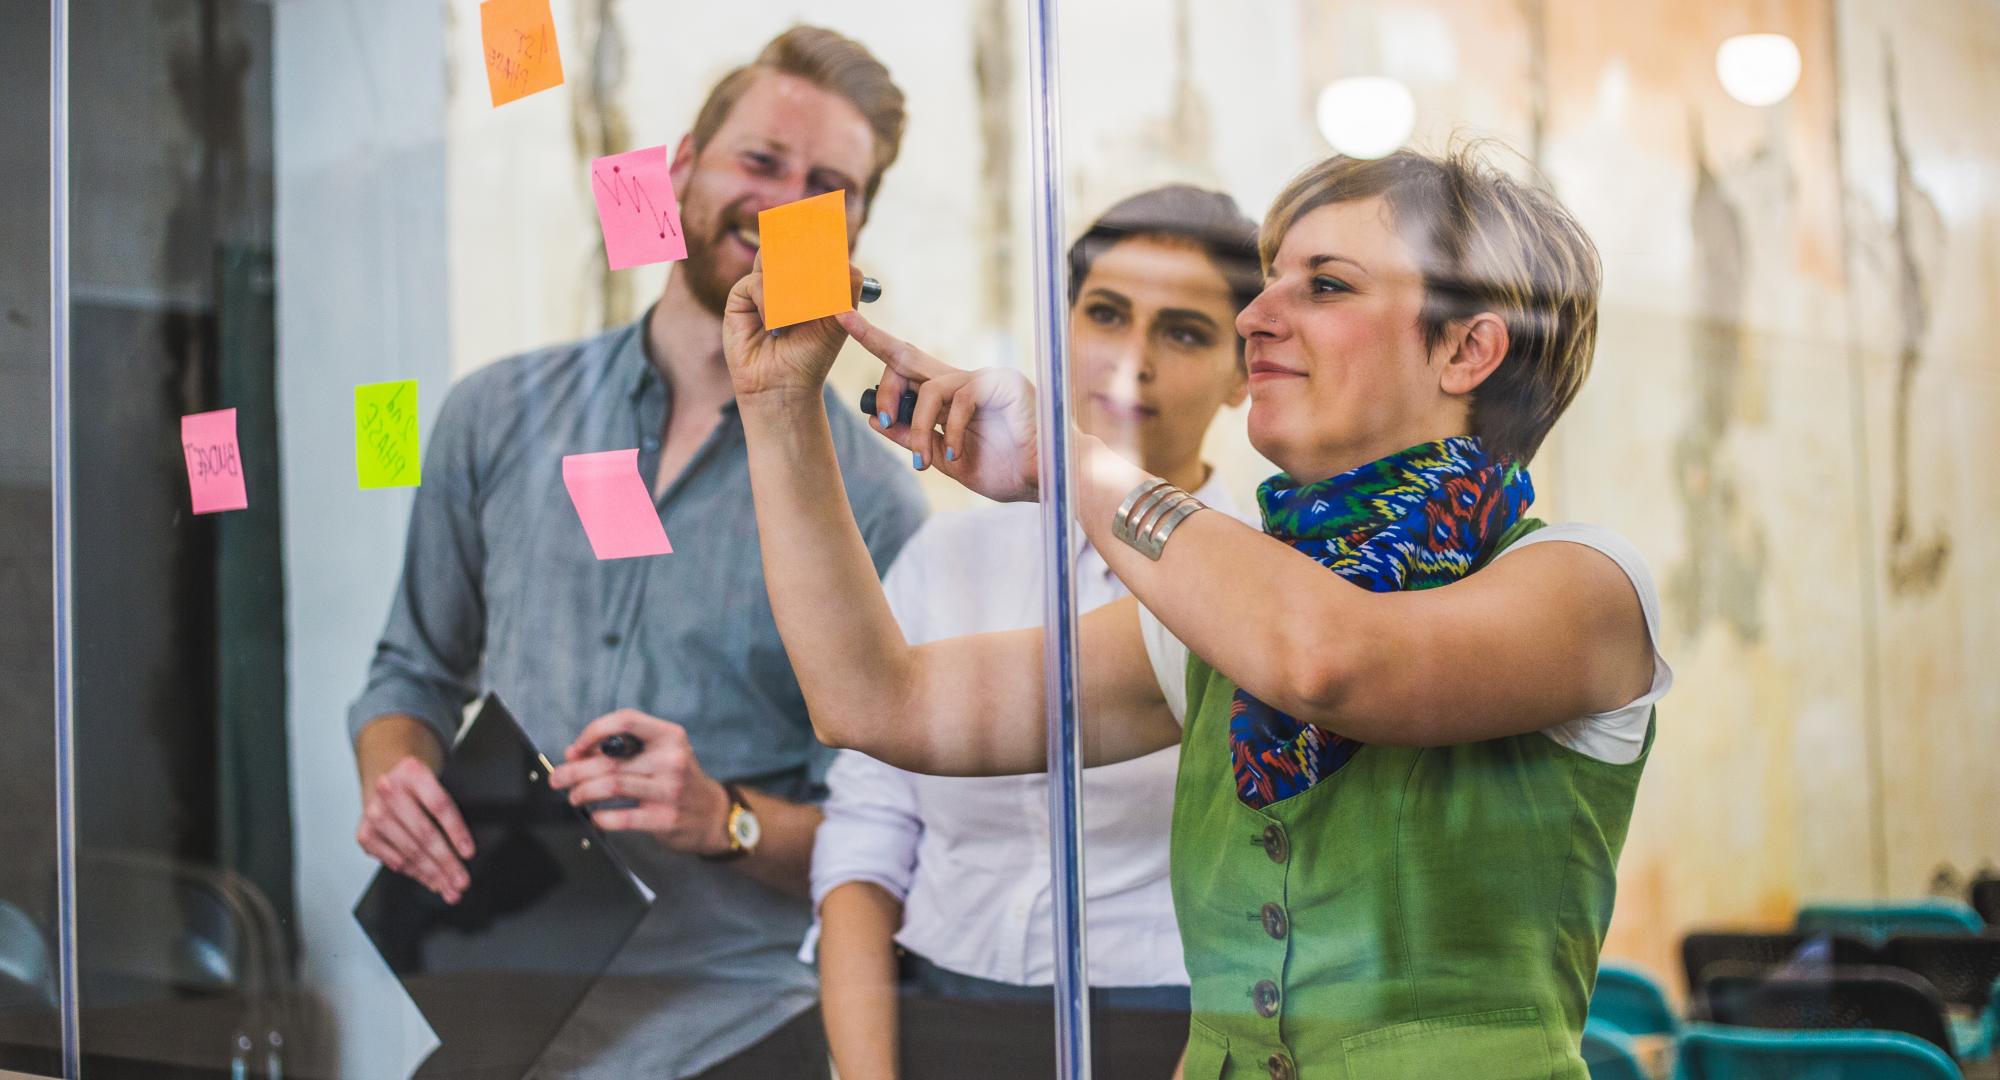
[1150, 513]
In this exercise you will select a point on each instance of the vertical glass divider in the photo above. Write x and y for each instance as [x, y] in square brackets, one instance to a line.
[59, 507]
[1060, 656]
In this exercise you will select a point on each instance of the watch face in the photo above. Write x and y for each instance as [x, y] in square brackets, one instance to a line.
[745, 829]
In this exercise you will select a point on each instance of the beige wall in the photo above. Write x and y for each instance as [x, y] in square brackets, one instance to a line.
[1792, 412]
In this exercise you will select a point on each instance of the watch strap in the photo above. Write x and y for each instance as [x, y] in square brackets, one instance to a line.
[736, 806]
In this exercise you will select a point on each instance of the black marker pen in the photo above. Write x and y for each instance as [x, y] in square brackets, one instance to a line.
[906, 409]
[621, 746]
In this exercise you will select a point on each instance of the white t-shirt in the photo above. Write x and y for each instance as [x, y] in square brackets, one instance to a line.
[1617, 736]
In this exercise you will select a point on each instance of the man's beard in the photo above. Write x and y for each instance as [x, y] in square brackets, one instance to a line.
[707, 281]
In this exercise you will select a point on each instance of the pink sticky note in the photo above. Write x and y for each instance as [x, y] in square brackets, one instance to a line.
[616, 509]
[215, 469]
[637, 209]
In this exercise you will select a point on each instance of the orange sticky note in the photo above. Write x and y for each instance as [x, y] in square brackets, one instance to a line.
[804, 247]
[520, 41]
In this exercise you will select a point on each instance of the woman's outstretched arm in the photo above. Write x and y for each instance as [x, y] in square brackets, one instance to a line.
[963, 706]
[1546, 635]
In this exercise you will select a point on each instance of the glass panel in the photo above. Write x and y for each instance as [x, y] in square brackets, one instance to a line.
[30, 1028]
[282, 207]
[1796, 238]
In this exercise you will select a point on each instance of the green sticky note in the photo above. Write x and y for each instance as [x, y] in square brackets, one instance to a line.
[385, 434]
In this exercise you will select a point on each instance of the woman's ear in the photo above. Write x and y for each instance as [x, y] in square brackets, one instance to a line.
[1475, 349]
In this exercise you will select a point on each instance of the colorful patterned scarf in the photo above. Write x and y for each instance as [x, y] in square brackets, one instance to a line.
[1413, 520]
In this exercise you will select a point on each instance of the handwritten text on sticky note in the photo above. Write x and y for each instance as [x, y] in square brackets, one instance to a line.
[519, 37]
[636, 208]
[214, 465]
[611, 499]
[804, 247]
[385, 435]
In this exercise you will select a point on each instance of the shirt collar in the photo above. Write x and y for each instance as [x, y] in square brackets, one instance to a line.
[632, 365]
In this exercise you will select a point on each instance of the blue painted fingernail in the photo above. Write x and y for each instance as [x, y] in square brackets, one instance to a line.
[950, 454]
[884, 417]
[916, 459]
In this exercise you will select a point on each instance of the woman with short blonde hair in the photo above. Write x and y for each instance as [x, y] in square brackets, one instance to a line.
[1405, 783]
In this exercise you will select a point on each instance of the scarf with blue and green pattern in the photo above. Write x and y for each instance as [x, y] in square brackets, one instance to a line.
[1417, 519]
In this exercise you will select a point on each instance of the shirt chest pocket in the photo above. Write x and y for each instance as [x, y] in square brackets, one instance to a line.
[1504, 1044]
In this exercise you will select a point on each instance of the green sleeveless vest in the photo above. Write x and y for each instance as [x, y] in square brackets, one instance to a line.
[1432, 913]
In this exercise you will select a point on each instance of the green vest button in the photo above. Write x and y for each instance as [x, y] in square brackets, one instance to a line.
[1275, 844]
[1275, 923]
[1265, 996]
[1281, 1067]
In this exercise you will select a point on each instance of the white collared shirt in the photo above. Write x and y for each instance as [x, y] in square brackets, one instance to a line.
[969, 857]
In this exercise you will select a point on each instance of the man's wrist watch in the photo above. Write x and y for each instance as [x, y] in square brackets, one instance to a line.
[741, 827]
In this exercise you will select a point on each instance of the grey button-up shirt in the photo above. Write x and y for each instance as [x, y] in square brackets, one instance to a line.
[500, 592]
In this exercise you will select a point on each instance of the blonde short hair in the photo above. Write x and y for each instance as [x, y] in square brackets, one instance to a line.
[836, 64]
[1484, 242]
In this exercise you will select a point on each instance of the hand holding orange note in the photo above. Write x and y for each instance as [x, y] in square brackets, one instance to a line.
[804, 252]
[519, 38]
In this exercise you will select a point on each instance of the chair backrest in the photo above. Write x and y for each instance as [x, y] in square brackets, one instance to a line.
[1986, 899]
[1741, 950]
[1880, 922]
[1707, 1052]
[1875, 998]
[1630, 1000]
[27, 976]
[1608, 1053]
[1962, 968]
[151, 927]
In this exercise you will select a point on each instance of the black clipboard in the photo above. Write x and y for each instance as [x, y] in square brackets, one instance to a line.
[550, 904]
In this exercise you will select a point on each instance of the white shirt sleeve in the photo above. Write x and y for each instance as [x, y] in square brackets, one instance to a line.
[1618, 736]
[869, 833]
[872, 824]
[1170, 662]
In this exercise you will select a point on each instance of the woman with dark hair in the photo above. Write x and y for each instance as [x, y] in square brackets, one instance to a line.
[1412, 720]
[935, 950]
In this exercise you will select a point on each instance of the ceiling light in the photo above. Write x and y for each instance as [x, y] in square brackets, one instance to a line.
[1758, 69]
[1367, 116]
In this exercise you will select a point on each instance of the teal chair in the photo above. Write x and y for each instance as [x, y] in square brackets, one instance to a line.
[1708, 1052]
[1630, 1000]
[1609, 1054]
[1877, 923]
